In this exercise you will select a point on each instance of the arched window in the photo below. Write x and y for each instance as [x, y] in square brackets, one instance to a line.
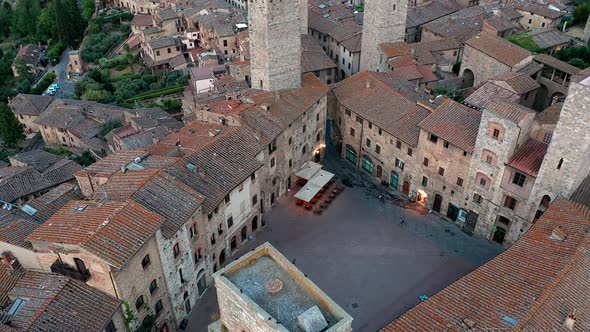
[367, 164]
[496, 131]
[489, 157]
[482, 180]
[351, 154]
[545, 201]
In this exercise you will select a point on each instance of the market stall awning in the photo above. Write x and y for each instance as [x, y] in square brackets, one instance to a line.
[308, 170]
[308, 192]
[321, 178]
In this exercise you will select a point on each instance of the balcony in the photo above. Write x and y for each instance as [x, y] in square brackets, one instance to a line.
[69, 271]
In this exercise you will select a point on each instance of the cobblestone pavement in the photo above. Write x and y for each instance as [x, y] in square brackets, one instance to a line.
[361, 256]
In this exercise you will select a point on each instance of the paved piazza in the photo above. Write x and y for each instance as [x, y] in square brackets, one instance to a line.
[362, 257]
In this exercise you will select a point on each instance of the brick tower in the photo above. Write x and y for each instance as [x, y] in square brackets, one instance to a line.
[275, 44]
[384, 21]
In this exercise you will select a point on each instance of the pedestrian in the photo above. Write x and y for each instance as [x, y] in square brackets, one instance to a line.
[402, 221]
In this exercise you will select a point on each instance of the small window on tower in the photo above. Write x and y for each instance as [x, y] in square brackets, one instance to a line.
[393, 7]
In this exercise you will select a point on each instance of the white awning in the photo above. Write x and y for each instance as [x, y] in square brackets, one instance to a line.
[308, 192]
[321, 178]
[308, 170]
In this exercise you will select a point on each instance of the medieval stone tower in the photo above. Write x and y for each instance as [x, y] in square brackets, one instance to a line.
[384, 21]
[303, 7]
[567, 161]
[275, 44]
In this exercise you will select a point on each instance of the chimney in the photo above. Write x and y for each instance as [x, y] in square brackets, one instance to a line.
[570, 321]
[367, 84]
[11, 263]
[558, 234]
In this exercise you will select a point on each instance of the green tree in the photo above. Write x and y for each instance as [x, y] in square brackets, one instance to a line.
[23, 70]
[26, 13]
[69, 26]
[109, 125]
[580, 13]
[577, 62]
[6, 16]
[88, 9]
[85, 159]
[11, 131]
[46, 24]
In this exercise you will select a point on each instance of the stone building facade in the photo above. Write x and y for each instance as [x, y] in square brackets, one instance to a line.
[384, 22]
[275, 44]
[487, 55]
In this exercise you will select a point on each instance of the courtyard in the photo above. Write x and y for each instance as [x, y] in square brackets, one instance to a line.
[362, 255]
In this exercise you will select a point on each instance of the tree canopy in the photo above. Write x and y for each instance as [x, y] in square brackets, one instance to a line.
[11, 131]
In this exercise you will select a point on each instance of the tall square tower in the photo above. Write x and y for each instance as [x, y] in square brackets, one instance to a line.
[384, 22]
[275, 44]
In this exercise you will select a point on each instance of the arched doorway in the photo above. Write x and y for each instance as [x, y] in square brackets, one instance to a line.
[255, 223]
[406, 188]
[541, 97]
[222, 257]
[367, 164]
[394, 180]
[244, 233]
[201, 282]
[351, 154]
[499, 235]
[437, 203]
[468, 78]
[233, 244]
[379, 171]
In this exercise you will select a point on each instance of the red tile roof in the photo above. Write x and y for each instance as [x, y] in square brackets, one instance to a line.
[510, 110]
[7, 281]
[536, 283]
[455, 123]
[550, 115]
[529, 157]
[384, 100]
[498, 48]
[57, 303]
[113, 231]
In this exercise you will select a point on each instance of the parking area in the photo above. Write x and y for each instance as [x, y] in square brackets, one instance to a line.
[363, 256]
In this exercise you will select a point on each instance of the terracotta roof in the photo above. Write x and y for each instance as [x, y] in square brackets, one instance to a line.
[529, 157]
[582, 194]
[7, 281]
[113, 231]
[499, 24]
[190, 138]
[539, 9]
[113, 162]
[534, 284]
[31, 53]
[456, 123]
[550, 115]
[518, 82]
[313, 56]
[557, 64]
[38, 159]
[158, 192]
[15, 233]
[345, 31]
[498, 48]
[460, 25]
[510, 110]
[384, 100]
[489, 91]
[429, 11]
[219, 167]
[549, 38]
[57, 303]
[29, 104]
[25, 181]
[143, 20]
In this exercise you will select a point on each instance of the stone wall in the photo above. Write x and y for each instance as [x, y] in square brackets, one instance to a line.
[384, 21]
[454, 160]
[483, 66]
[570, 142]
[275, 44]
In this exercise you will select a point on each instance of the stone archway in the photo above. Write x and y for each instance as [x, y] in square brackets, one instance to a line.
[468, 78]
